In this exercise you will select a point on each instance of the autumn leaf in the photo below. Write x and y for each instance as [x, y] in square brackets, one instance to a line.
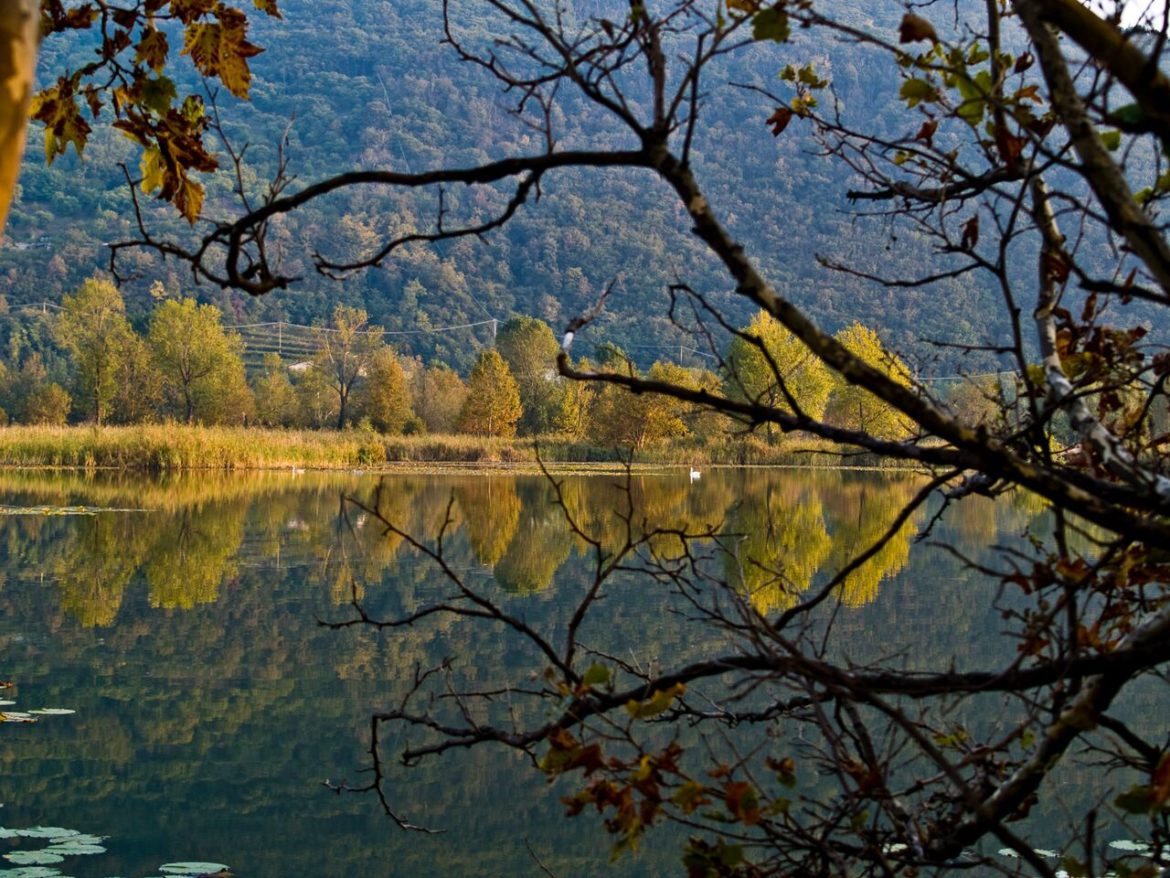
[152, 50]
[656, 703]
[742, 801]
[915, 28]
[926, 132]
[779, 120]
[221, 49]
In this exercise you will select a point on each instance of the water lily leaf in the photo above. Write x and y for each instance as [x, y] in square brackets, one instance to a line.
[77, 838]
[30, 872]
[33, 858]
[192, 868]
[48, 832]
[15, 716]
[9, 833]
[6, 703]
[1125, 844]
[75, 849]
[53, 711]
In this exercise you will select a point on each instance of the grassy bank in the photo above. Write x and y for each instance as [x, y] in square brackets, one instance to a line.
[170, 447]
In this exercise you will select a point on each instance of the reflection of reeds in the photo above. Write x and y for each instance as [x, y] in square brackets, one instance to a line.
[167, 492]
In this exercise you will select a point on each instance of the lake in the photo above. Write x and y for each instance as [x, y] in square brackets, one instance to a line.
[180, 619]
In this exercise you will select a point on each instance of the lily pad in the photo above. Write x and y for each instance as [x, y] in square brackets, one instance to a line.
[30, 872]
[47, 832]
[15, 716]
[1125, 844]
[53, 711]
[75, 849]
[9, 833]
[192, 868]
[33, 858]
[77, 838]
[6, 702]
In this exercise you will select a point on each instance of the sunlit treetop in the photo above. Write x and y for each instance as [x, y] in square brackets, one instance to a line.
[127, 76]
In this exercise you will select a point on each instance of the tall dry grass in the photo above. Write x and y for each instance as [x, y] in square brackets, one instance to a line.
[178, 447]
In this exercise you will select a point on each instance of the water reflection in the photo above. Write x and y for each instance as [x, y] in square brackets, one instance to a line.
[211, 704]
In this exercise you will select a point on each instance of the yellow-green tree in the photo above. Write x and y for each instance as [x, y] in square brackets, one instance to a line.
[348, 346]
[385, 397]
[276, 400]
[493, 405]
[201, 363]
[771, 366]
[439, 394]
[855, 408]
[530, 350]
[93, 328]
[637, 421]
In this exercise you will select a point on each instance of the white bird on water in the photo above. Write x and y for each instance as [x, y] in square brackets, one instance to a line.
[695, 474]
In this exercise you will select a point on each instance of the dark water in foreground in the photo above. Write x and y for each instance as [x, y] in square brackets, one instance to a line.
[182, 627]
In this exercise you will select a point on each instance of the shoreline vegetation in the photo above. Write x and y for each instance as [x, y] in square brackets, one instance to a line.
[180, 447]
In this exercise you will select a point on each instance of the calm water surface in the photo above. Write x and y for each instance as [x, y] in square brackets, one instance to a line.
[182, 625]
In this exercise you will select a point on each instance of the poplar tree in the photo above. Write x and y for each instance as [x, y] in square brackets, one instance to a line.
[493, 405]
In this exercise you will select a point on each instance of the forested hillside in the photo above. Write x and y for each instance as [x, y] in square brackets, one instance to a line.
[367, 84]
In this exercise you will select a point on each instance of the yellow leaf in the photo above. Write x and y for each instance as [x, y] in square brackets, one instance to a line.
[656, 703]
[153, 169]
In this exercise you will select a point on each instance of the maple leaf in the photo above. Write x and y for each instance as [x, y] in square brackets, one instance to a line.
[221, 49]
[152, 50]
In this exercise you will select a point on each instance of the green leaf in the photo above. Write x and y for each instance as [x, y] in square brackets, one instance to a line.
[1135, 800]
[1130, 114]
[158, 94]
[1112, 140]
[597, 675]
[770, 24]
[918, 91]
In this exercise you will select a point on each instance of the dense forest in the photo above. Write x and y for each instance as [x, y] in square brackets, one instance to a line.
[367, 83]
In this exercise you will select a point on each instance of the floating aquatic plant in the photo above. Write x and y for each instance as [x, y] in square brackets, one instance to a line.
[193, 869]
[62, 843]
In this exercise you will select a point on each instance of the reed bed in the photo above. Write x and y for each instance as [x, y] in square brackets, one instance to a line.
[179, 447]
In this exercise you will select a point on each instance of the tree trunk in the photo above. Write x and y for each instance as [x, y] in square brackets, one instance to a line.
[19, 35]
